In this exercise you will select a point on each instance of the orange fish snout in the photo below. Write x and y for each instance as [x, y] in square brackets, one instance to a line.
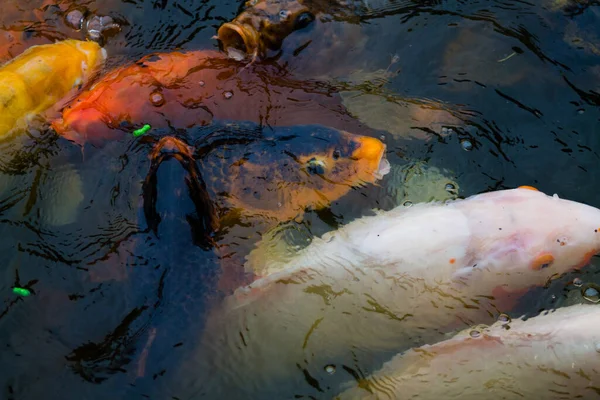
[83, 126]
[372, 151]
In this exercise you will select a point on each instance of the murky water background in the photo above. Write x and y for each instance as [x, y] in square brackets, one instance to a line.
[520, 86]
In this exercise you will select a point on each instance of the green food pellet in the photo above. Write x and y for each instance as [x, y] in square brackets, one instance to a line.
[21, 291]
[142, 130]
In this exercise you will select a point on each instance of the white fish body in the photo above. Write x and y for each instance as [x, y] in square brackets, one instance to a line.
[549, 357]
[387, 283]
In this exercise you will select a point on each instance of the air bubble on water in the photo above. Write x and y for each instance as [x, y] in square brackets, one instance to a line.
[577, 282]
[591, 293]
[580, 111]
[450, 188]
[466, 145]
[504, 319]
[74, 19]
[330, 369]
[227, 95]
[157, 99]
[407, 203]
[201, 83]
[475, 333]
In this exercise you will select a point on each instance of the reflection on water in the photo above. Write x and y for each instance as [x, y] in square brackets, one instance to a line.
[479, 95]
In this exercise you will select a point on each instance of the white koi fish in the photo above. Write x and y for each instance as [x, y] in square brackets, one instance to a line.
[386, 283]
[549, 357]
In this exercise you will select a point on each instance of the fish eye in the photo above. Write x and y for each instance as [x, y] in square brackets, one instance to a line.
[336, 154]
[315, 167]
[284, 14]
[303, 20]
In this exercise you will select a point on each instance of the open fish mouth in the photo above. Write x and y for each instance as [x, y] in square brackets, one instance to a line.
[239, 40]
[373, 152]
[383, 168]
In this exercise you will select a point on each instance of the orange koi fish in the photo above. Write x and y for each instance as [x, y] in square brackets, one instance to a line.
[185, 89]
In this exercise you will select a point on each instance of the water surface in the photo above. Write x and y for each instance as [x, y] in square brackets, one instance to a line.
[116, 307]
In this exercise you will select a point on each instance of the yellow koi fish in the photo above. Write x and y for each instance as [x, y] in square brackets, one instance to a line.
[41, 77]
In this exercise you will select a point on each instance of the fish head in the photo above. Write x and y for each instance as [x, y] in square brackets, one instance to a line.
[171, 145]
[523, 238]
[94, 55]
[84, 125]
[325, 157]
[330, 161]
[263, 25]
[304, 166]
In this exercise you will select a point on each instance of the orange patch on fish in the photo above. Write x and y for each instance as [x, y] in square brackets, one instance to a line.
[587, 257]
[542, 261]
[452, 260]
[528, 188]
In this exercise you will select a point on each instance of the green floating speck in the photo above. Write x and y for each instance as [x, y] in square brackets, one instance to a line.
[21, 291]
[142, 130]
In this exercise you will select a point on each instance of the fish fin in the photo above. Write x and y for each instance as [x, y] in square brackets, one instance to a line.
[273, 251]
[401, 118]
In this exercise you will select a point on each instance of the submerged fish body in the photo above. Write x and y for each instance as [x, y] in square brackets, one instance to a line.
[548, 357]
[42, 76]
[390, 282]
[186, 89]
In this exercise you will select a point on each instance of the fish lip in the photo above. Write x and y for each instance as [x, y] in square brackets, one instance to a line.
[383, 167]
[238, 36]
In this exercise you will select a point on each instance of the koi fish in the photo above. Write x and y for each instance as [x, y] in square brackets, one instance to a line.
[186, 89]
[386, 283]
[290, 169]
[263, 25]
[41, 77]
[552, 356]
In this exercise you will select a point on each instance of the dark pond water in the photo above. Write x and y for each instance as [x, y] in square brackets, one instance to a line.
[496, 94]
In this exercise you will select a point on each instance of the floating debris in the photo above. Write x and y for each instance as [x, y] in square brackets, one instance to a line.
[144, 129]
[21, 291]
